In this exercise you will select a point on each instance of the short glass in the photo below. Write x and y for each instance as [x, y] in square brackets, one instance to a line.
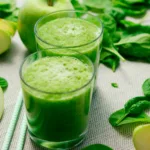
[90, 49]
[57, 120]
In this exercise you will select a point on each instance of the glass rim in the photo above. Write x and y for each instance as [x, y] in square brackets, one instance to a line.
[58, 93]
[68, 10]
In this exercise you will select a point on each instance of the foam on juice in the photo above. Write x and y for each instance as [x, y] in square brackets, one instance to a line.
[69, 32]
[58, 74]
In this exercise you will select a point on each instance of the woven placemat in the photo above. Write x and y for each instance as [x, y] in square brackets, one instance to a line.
[107, 99]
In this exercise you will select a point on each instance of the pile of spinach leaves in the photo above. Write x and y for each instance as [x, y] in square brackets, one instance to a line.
[134, 108]
[122, 39]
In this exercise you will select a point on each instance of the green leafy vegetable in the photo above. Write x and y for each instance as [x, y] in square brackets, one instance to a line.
[133, 1]
[97, 147]
[121, 38]
[3, 82]
[137, 105]
[133, 40]
[133, 111]
[8, 10]
[133, 28]
[13, 16]
[135, 45]
[109, 59]
[115, 85]
[146, 87]
[109, 56]
[78, 6]
[137, 39]
[131, 8]
[97, 5]
[119, 118]
[109, 30]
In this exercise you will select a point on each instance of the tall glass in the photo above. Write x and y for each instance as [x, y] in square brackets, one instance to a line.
[91, 48]
[56, 120]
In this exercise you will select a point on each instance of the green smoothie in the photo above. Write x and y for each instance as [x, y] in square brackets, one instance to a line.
[74, 33]
[57, 107]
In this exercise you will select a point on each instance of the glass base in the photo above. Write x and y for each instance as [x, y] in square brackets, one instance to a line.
[64, 145]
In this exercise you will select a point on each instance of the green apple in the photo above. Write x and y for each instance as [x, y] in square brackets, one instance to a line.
[8, 26]
[31, 11]
[5, 41]
[1, 102]
[7, 30]
[141, 137]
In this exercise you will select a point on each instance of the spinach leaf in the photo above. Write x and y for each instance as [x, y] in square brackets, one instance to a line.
[134, 12]
[108, 22]
[108, 44]
[3, 82]
[133, 1]
[97, 147]
[78, 6]
[146, 87]
[137, 105]
[13, 16]
[98, 5]
[141, 118]
[135, 51]
[138, 39]
[109, 56]
[134, 45]
[132, 8]
[4, 5]
[116, 117]
[109, 34]
[110, 60]
[133, 28]
[115, 85]
[133, 111]
[120, 118]
[8, 10]
[110, 48]
[117, 13]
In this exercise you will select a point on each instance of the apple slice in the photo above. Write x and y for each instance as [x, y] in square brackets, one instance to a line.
[8, 26]
[141, 137]
[1, 102]
[5, 41]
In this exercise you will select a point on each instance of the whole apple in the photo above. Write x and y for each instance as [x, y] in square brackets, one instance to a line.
[30, 12]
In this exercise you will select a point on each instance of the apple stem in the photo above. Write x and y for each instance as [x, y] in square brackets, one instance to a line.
[50, 2]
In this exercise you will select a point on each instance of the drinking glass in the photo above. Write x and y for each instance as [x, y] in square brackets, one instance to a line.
[91, 49]
[56, 120]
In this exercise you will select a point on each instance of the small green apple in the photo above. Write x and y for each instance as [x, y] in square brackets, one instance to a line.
[141, 137]
[5, 41]
[31, 11]
[8, 26]
[7, 30]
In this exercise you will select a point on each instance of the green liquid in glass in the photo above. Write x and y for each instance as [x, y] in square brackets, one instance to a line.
[57, 117]
[74, 33]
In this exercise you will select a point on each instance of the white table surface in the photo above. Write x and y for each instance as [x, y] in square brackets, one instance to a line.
[129, 77]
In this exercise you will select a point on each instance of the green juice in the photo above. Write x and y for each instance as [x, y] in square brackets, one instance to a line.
[56, 105]
[72, 33]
